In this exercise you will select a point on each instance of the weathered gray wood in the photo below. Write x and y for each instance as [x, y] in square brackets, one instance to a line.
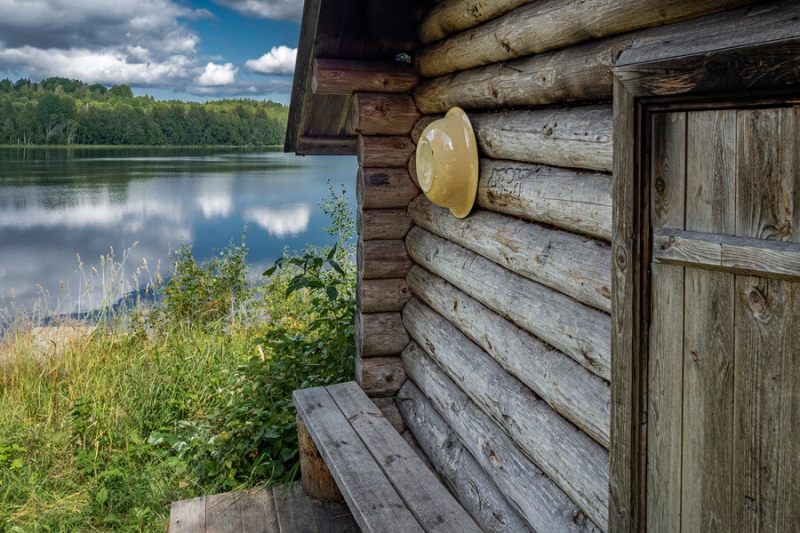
[578, 137]
[575, 265]
[740, 255]
[382, 295]
[581, 72]
[382, 224]
[568, 388]
[568, 456]
[294, 509]
[769, 21]
[375, 503]
[383, 114]
[333, 517]
[342, 76]
[315, 477]
[579, 331]
[382, 188]
[452, 16]
[574, 200]
[188, 516]
[474, 489]
[665, 362]
[388, 408]
[551, 24]
[382, 259]
[626, 497]
[538, 500]
[379, 376]
[259, 512]
[384, 151]
[435, 508]
[224, 513]
[380, 333]
[766, 463]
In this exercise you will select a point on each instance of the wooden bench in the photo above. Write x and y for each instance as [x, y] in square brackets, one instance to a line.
[386, 485]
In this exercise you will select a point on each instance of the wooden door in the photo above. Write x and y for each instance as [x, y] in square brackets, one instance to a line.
[723, 369]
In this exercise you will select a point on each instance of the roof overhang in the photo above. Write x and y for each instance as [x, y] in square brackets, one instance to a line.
[343, 29]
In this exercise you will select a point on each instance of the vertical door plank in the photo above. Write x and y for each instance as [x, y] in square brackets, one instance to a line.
[767, 395]
[665, 364]
[767, 175]
[708, 355]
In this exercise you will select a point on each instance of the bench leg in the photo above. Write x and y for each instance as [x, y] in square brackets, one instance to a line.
[316, 478]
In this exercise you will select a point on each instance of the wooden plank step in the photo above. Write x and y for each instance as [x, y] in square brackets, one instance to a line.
[428, 500]
[373, 500]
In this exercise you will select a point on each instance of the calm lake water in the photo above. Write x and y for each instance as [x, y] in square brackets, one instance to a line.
[57, 205]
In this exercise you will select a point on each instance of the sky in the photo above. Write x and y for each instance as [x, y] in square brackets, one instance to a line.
[182, 49]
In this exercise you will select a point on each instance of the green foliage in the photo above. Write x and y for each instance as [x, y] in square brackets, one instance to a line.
[63, 111]
[203, 293]
[251, 435]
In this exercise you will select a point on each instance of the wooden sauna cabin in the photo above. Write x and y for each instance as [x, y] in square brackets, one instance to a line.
[610, 340]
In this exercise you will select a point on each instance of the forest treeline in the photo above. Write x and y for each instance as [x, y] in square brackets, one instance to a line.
[64, 111]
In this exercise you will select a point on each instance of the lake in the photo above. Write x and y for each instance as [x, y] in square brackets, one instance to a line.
[59, 205]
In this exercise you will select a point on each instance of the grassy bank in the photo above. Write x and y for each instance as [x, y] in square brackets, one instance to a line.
[101, 428]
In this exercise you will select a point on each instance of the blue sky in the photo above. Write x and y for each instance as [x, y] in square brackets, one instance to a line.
[186, 49]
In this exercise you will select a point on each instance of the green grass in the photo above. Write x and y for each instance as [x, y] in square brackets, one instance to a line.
[100, 431]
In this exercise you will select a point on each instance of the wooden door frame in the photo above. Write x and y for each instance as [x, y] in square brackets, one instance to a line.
[758, 74]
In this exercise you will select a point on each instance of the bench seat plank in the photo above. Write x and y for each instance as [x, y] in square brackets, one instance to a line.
[376, 505]
[424, 495]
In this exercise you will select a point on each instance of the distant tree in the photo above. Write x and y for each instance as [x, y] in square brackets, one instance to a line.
[121, 91]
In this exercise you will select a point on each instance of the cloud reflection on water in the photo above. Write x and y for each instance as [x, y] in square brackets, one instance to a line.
[49, 213]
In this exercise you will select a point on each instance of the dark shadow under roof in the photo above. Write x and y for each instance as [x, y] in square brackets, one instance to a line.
[343, 29]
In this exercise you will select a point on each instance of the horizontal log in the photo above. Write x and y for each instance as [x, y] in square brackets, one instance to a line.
[422, 123]
[379, 334]
[382, 295]
[571, 390]
[575, 265]
[388, 407]
[550, 24]
[343, 76]
[771, 21]
[326, 145]
[574, 200]
[382, 259]
[380, 376]
[565, 454]
[577, 73]
[537, 498]
[382, 224]
[579, 137]
[382, 188]
[576, 329]
[473, 487]
[383, 114]
[740, 255]
[384, 151]
[454, 16]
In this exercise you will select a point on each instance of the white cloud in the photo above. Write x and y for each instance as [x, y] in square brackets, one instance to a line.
[268, 9]
[215, 75]
[101, 66]
[280, 61]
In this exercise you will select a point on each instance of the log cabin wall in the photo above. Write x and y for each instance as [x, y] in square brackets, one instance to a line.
[509, 359]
